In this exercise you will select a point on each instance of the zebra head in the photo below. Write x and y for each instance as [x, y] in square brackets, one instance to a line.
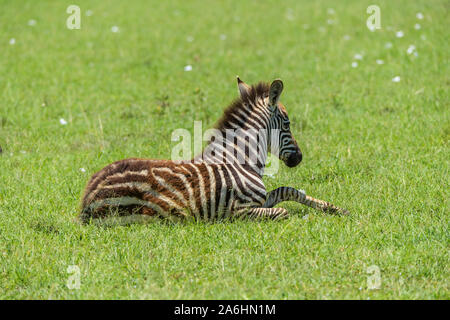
[280, 140]
[288, 150]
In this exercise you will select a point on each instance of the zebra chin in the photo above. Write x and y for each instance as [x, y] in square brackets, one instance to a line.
[293, 159]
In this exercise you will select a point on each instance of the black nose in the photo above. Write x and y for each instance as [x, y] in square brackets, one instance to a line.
[294, 159]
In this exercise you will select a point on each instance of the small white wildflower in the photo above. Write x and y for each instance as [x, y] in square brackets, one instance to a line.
[388, 45]
[372, 28]
[190, 39]
[423, 37]
[346, 37]
[223, 37]
[396, 79]
[330, 11]
[305, 217]
[89, 13]
[358, 56]
[417, 26]
[31, 22]
[354, 64]
[290, 14]
[379, 61]
[360, 288]
[12, 41]
[23, 151]
[82, 169]
[330, 21]
[399, 34]
[62, 121]
[411, 49]
[419, 15]
[188, 68]
[415, 54]
[322, 29]
[115, 29]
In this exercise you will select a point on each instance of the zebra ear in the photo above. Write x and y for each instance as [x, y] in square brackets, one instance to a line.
[275, 91]
[244, 88]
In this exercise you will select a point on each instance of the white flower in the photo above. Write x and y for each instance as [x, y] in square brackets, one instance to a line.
[223, 37]
[62, 121]
[399, 34]
[419, 15]
[330, 21]
[82, 169]
[372, 28]
[31, 22]
[388, 45]
[290, 14]
[379, 61]
[358, 56]
[12, 41]
[89, 13]
[396, 79]
[330, 11]
[305, 217]
[411, 49]
[346, 37]
[354, 64]
[423, 37]
[114, 29]
[188, 68]
[417, 26]
[190, 39]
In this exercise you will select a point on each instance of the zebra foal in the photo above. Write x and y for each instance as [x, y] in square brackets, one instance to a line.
[224, 181]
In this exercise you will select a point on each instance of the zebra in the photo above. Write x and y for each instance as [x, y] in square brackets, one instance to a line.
[225, 181]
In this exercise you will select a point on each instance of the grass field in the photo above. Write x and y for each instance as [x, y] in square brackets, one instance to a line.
[77, 100]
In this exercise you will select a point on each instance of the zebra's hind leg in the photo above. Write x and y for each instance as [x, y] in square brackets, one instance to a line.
[290, 194]
[262, 214]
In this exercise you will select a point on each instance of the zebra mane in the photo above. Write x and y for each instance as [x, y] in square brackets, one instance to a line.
[259, 90]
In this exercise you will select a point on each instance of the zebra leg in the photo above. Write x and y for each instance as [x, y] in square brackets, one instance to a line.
[290, 194]
[262, 213]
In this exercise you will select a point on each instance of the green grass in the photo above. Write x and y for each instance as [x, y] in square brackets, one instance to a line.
[376, 147]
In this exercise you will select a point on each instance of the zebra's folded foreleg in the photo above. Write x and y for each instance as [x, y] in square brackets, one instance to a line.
[262, 213]
[290, 194]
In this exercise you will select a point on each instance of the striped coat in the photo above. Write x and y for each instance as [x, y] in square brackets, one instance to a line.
[225, 181]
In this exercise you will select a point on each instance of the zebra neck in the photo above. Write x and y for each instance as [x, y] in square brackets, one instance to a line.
[244, 147]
